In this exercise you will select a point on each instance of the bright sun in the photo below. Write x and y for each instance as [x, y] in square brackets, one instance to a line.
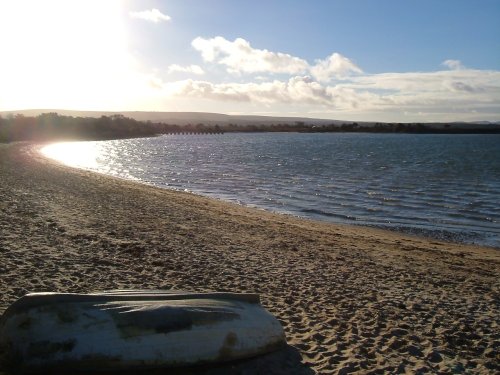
[64, 54]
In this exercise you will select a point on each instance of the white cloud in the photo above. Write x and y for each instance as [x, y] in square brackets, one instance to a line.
[458, 86]
[193, 69]
[442, 91]
[453, 64]
[467, 80]
[336, 85]
[295, 90]
[240, 57]
[334, 66]
[413, 93]
[153, 15]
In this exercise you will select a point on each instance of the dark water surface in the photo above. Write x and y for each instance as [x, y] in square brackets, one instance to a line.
[442, 186]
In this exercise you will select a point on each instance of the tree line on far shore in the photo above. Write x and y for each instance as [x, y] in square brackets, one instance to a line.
[52, 126]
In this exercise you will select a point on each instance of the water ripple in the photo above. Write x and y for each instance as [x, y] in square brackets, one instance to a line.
[444, 186]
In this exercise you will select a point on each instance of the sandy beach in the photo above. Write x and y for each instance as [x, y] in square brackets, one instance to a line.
[351, 299]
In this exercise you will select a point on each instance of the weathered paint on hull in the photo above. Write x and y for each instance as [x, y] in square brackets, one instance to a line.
[127, 329]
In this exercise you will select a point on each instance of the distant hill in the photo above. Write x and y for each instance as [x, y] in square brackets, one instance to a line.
[178, 118]
[212, 119]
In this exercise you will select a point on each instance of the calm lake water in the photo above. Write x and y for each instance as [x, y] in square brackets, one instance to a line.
[442, 186]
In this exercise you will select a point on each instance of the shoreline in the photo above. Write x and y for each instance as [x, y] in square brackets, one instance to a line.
[350, 298]
[418, 229]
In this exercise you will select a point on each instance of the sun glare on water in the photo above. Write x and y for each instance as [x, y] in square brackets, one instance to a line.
[75, 154]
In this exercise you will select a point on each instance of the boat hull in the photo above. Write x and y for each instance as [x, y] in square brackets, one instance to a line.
[127, 330]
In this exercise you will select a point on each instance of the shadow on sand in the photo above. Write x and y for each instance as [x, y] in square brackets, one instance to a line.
[285, 361]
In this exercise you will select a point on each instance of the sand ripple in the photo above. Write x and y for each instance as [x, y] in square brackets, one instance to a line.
[351, 299]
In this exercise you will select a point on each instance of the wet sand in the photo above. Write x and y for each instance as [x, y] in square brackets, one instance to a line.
[351, 299]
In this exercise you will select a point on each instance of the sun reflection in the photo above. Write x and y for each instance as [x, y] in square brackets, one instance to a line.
[76, 154]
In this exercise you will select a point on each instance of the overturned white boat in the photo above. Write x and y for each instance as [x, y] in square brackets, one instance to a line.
[119, 330]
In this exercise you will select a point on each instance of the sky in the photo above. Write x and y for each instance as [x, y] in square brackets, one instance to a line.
[359, 60]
